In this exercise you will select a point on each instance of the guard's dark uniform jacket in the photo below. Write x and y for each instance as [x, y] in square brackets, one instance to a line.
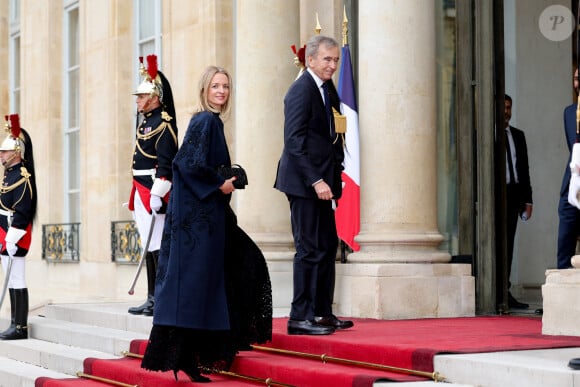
[16, 207]
[155, 149]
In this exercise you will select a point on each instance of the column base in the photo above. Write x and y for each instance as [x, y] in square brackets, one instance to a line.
[399, 247]
[561, 302]
[404, 291]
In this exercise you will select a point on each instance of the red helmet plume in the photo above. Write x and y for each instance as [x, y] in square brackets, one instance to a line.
[152, 66]
[15, 125]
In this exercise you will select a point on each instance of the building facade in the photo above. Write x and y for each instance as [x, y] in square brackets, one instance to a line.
[68, 67]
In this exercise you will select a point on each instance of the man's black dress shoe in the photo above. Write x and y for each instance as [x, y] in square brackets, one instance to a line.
[306, 327]
[513, 303]
[332, 321]
[574, 363]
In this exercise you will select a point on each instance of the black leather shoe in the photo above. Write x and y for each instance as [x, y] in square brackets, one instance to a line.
[146, 305]
[306, 327]
[574, 363]
[513, 303]
[148, 311]
[333, 321]
[18, 333]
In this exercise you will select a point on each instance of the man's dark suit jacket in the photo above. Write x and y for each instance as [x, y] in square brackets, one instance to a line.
[522, 167]
[309, 152]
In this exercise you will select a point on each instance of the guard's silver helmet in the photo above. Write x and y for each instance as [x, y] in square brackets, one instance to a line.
[146, 87]
[151, 83]
[12, 140]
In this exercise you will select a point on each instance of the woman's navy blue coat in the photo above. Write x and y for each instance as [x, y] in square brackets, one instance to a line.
[190, 290]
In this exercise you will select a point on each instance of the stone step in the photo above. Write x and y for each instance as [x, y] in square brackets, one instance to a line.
[94, 337]
[530, 368]
[63, 336]
[14, 373]
[106, 315]
[419, 384]
[48, 355]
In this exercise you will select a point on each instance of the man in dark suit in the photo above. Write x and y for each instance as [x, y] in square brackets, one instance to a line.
[519, 189]
[309, 174]
[569, 227]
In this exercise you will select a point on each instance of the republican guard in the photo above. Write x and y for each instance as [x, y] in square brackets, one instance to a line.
[155, 147]
[18, 201]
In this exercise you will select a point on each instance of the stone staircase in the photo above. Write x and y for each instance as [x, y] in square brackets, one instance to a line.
[62, 336]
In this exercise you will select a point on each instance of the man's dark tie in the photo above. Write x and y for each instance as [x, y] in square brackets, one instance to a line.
[328, 107]
[511, 172]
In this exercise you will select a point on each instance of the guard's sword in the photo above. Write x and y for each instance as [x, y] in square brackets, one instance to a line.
[6, 278]
[132, 289]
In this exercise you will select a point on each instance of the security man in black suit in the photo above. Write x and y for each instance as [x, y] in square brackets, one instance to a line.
[519, 189]
[309, 173]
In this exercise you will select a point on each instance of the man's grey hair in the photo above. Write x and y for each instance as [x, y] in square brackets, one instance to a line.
[314, 44]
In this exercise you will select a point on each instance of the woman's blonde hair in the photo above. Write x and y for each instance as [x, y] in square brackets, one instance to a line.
[204, 83]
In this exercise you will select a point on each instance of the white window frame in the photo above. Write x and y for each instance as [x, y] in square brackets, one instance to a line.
[156, 37]
[68, 129]
[14, 57]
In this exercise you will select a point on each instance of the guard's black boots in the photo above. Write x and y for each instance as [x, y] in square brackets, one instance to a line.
[152, 261]
[139, 309]
[146, 309]
[12, 326]
[20, 329]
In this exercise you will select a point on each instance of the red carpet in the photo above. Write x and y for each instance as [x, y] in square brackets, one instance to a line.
[76, 382]
[408, 344]
[413, 343]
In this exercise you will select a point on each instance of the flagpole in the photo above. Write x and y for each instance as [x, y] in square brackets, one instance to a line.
[344, 43]
[347, 213]
[344, 27]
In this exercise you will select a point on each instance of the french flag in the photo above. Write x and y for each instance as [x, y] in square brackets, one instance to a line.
[347, 213]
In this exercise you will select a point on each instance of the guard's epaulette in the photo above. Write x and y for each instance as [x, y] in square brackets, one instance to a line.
[165, 116]
[24, 173]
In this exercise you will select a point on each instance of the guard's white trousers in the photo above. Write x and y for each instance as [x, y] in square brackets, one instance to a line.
[143, 220]
[17, 278]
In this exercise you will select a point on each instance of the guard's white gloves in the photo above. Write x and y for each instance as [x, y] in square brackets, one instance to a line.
[11, 248]
[155, 202]
[13, 235]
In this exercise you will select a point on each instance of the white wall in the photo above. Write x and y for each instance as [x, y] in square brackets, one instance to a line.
[538, 75]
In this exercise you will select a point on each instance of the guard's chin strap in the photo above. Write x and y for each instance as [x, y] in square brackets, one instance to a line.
[6, 163]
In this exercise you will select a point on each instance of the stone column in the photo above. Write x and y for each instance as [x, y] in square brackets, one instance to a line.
[398, 133]
[395, 274]
[4, 62]
[40, 114]
[195, 37]
[264, 71]
[107, 122]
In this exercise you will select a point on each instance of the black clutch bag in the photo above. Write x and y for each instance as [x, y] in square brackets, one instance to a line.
[237, 171]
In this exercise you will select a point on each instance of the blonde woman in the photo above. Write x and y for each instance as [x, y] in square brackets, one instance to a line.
[213, 294]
